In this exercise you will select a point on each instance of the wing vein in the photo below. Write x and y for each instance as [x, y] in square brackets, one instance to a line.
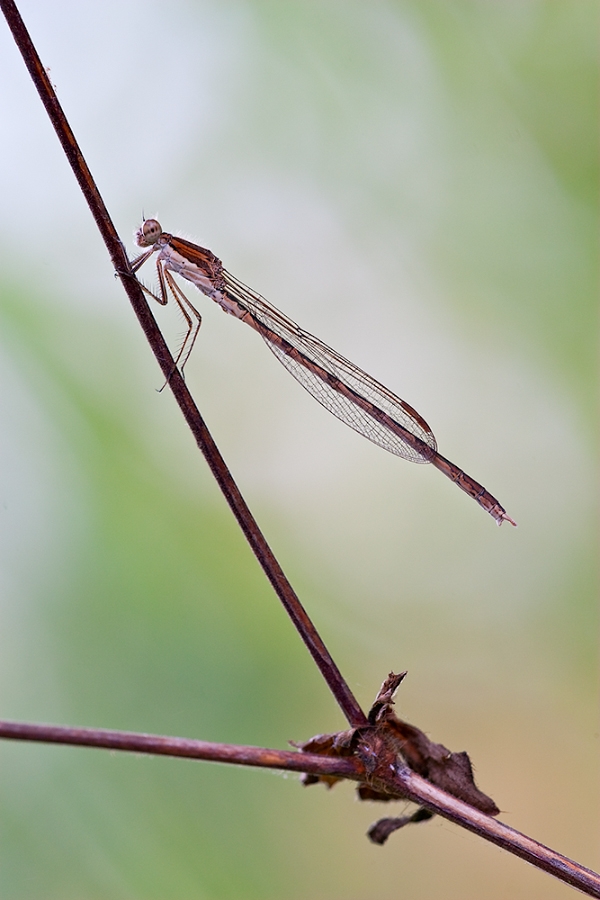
[346, 391]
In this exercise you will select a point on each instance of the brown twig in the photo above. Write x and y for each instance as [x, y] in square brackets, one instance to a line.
[399, 780]
[218, 467]
[161, 745]
[422, 791]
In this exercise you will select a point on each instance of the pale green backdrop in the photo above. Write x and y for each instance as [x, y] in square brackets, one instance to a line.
[416, 183]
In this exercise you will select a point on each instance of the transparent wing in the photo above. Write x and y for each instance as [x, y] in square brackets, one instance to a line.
[367, 407]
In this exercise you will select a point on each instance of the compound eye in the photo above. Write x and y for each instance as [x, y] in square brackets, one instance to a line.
[149, 233]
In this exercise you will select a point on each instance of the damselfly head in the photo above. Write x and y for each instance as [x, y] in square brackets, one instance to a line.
[148, 233]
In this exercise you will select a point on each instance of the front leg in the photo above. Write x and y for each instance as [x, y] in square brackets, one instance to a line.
[163, 298]
[139, 261]
[167, 286]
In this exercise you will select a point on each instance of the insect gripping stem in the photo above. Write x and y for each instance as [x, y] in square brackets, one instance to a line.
[350, 394]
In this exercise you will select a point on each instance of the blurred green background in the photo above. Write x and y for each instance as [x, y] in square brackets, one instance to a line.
[415, 183]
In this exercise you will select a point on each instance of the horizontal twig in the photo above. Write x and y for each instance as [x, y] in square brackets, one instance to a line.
[400, 779]
[162, 745]
[421, 791]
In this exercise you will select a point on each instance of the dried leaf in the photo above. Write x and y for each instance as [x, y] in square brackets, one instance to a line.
[387, 738]
[381, 830]
[452, 772]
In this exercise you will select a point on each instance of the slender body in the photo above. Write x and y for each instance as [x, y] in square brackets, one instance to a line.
[341, 387]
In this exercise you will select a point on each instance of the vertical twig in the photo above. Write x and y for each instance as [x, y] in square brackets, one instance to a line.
[218, 467]
[401, 779]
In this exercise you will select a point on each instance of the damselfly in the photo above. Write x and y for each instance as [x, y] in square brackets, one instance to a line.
[341, 387]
